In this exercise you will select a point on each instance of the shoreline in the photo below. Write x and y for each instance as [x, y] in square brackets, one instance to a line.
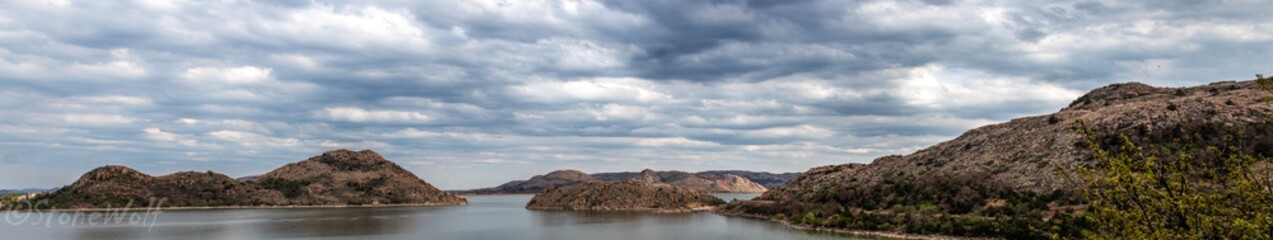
[497, 194]
[850, 232]
[627, 210]
[146, 208]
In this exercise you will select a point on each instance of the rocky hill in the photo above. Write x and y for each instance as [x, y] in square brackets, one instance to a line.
[538, 183]
[1018, 168]
[712, 181]
[769, 180]
[338, 177]
[623, 196]
[707, 182]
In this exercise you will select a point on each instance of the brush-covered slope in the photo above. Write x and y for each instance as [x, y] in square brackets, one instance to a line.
[537, 183]
[719, 183]
[338, 177]
[711, 181]
[348, 177]
[623, 196]
[1018, 168]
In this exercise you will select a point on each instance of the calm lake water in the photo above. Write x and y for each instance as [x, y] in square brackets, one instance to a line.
[486, 217]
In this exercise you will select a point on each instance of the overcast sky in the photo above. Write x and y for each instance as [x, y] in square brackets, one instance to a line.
[471, 94]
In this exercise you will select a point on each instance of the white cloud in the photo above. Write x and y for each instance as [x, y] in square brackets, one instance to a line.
[579, 54]
[674, 142]
[160, 135]
[117, 69]
[117, 99]
[602, 90]
[611, 111]
[351, 28]
[355, 114]
[297, 60]
[161, 5]
[97, 119]
[255, 140]
[937, 87]
[801, 131]
[234, 75]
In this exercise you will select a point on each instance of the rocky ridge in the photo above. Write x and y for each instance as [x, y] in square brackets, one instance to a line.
[1019, 165]
[711, 181]
[338, 177]
[623, 196]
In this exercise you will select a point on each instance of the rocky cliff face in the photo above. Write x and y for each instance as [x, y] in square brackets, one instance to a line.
[335, 178]
[1018, 162]
[623, 196]
[720, 181]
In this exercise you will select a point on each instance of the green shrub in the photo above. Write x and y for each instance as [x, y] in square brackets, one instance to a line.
[289, 188]
[809, 219]
[1179, 190]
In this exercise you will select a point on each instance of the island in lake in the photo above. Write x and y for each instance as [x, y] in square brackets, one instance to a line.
[335, 178]
[733, 181]
[624, 196]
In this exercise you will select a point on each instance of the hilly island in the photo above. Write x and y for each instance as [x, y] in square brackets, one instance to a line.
[335, 178]
[711, 181]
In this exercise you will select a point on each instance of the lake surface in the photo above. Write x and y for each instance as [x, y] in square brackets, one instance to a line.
[486, 217]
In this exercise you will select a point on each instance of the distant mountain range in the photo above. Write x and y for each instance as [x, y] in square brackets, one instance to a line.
[25, 190]
[340, 177]
[710, 181]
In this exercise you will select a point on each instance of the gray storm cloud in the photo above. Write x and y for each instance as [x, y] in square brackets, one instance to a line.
[473, 93]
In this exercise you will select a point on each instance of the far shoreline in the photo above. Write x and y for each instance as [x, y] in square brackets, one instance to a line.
[851, 232]
[139, 209]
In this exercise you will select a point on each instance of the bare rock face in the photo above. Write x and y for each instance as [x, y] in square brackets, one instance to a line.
[339, 177]
[1020, 159]
[623, 196]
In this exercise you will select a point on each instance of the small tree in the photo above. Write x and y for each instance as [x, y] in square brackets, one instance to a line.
[1135, 193]
[1265, 83]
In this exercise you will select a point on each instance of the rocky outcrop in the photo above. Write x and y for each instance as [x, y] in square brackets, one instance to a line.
[348, 177]
[769, 180]
[118, 186]
[723, 183]
[713, 181]
[623, 196]
[1021, 163]
[538, 183]
[338, 177]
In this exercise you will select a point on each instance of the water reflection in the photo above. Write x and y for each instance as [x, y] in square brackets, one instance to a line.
[487, 217]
